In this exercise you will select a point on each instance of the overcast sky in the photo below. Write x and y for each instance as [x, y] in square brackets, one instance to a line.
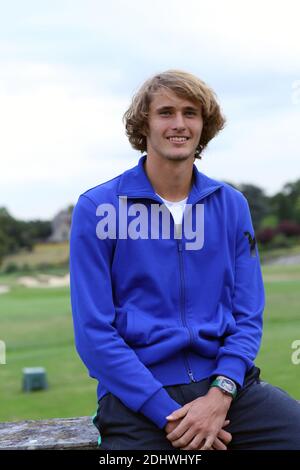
[68, 69]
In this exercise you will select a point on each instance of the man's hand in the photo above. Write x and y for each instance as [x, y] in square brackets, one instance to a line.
[199, 423]
[221, 441]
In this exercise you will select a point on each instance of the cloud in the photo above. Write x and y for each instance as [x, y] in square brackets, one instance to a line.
[69, 68]
[53, 127]
[263, 150]
[246, 36]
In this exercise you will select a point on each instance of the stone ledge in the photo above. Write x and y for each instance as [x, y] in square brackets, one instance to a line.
[59, 433]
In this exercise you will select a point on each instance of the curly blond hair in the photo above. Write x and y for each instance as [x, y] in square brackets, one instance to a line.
[184, 85]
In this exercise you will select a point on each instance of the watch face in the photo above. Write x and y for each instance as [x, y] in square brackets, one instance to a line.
[228, 385]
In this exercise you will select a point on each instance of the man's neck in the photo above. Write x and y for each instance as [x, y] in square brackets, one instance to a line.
[171, 180]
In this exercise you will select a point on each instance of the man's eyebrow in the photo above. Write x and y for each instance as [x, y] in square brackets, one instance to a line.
[159, 108]
[192, 108]
[187, 108]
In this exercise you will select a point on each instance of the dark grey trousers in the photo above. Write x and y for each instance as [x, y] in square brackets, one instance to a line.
[262, 417]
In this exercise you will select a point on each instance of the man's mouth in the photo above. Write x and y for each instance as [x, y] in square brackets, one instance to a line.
[177, 139]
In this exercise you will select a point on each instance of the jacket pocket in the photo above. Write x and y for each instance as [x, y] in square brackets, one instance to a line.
[207, 345]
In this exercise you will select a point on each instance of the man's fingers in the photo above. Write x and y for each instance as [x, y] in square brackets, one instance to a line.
[171, 426]
[184, 439]
[182, 427]
[178, 413]
[224, 436]
[218, 445]
[208, 443]
[195, 444]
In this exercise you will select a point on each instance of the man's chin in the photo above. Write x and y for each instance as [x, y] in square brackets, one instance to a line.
[178, 157]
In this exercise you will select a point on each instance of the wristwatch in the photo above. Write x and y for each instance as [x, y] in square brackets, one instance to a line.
[227, 386]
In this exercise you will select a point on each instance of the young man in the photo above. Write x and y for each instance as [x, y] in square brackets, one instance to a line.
[167, 309]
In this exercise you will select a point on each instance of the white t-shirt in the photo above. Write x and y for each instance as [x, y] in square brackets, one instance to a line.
[176, 209]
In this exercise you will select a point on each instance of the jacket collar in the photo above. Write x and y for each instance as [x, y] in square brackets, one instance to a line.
[134, 183]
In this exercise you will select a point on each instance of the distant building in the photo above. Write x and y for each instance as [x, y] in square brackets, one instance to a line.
[61, 226]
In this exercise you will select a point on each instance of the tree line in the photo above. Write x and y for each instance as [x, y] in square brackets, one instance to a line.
[276, 219]
[17, 234]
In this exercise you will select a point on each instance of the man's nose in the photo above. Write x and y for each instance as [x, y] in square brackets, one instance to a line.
[179, 122]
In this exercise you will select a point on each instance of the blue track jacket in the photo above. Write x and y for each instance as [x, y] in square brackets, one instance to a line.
[149, 312]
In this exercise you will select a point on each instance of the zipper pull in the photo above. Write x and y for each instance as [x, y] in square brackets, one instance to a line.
[191, 376]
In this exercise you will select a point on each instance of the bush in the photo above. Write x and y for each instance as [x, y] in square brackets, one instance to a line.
[281, 241]
[266, 235]
[288, 228]
[26, 268]
[11, 268]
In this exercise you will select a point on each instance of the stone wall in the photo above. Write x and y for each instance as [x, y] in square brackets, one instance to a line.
[61, 433]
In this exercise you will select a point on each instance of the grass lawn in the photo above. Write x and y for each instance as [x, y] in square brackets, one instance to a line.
[36, 325]
[281, 327]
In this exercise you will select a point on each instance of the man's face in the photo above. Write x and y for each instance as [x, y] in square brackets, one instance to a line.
[174, 126]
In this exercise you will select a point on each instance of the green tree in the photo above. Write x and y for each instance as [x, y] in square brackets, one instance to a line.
[17, 234]
[258, 202]
[286, 203]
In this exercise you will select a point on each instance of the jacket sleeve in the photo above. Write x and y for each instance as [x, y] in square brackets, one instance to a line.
[239, 349]
[104, 352]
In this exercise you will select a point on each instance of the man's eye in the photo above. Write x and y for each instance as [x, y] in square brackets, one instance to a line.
[165, 113]
[191, 113]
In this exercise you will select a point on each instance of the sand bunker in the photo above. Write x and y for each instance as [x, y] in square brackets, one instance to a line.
[4, 289]
[44, 280]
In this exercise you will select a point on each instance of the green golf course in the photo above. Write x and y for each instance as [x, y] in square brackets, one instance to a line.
[36, 325]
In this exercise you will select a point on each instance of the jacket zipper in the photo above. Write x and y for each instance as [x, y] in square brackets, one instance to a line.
[182, 295]
[182, 309]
